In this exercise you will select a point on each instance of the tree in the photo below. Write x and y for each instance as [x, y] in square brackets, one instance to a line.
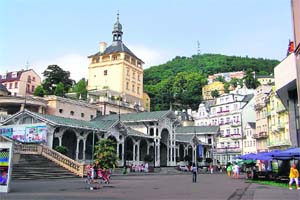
[234, 82]
[215, 93]
[53, 75]
[249, 80]
[59, 90]
[39, 91]
[226, 87]
[221, 79]
[105, 154]
[80, 89]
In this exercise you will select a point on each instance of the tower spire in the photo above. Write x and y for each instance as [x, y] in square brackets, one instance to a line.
[117, 30]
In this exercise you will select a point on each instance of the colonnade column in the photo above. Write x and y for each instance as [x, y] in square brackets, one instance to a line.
[77, 149]
[84, 148]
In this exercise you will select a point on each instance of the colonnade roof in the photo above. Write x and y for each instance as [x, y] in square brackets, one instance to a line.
[104, 125]
[198, 129]
[136, 117]
[132, 132]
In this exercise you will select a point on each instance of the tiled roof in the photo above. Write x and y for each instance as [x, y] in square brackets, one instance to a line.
[141, 116]
[3, 88]
[117, 46]
[252, 124]
[198, 129]
[95, 125]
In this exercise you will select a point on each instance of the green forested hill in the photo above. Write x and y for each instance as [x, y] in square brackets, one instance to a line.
[179, 81]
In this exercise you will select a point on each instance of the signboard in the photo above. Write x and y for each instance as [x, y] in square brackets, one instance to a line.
[36, 133]
[5, 165]
[200, 150]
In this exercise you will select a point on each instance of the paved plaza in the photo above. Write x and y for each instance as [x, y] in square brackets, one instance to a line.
[173, 187]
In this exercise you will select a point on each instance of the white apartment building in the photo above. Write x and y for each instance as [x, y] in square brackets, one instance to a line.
[231, 112]
[249, 143]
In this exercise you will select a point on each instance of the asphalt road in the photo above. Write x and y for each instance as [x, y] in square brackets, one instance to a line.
[173, 187]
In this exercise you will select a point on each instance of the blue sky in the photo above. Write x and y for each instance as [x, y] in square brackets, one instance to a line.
[65, 32]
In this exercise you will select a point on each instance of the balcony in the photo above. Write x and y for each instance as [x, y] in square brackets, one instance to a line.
[259, 106]
[260, 135]
[235, 136]
[235, 124]
[228, 149]
[278, 143]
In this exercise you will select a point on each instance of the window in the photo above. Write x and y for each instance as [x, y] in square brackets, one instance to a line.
[10, 85]
[139, 77]
[209, 141]
[133, 75]
[127, 86]
[128, 71]
[105, 72]
[32, 88]
[82, 114]
[16, 84]
[27, 88]
[92, 116]
[72, 112]
[138, 90]
[33, 79]
[60, 110]
[29, 79]
[14, 75]
[133, 88]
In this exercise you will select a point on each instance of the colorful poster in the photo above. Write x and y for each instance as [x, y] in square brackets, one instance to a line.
[36, 133]
[200, 150]
[4, 164]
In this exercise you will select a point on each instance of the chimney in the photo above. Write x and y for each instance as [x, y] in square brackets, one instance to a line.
[102, 46]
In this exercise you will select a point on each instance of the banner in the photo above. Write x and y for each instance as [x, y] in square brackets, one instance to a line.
[36, 133]
[5, 166]
[200, 150]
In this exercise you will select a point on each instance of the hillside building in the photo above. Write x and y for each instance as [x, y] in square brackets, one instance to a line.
[20, 82]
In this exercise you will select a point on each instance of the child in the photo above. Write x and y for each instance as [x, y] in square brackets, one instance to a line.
[229, 169]
[294, 174]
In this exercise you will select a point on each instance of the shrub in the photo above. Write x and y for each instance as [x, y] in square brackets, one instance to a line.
[62, 149]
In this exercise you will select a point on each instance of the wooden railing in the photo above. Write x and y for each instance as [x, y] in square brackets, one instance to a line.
[58, 158]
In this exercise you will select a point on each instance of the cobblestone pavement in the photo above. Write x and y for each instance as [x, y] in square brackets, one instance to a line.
[173, 187]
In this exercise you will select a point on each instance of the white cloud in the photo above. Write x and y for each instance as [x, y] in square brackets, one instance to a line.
[150, 56]
[76, 64]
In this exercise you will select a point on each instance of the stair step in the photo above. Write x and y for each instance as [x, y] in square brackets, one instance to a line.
[32, 167]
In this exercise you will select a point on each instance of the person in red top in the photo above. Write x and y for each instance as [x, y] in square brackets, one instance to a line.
[294, 174]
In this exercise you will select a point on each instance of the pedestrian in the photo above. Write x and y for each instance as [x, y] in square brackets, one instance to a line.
[211, 167]
[235, 170]
[229, 169]
[294, 175]
[194, 172]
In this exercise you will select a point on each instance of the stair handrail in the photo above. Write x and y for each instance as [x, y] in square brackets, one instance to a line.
[62, 160]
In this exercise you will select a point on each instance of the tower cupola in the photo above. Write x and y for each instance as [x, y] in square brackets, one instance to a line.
[117, 30]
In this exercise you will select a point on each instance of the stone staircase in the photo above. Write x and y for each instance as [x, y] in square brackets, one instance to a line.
[30, 167]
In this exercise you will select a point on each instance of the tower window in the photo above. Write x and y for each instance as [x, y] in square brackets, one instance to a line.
[105, 72]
